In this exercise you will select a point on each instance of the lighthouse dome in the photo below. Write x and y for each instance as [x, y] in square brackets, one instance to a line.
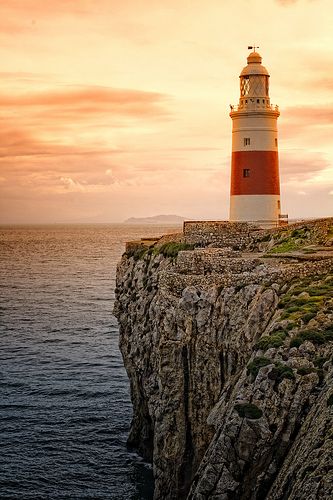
[254, 57]
[254, 66]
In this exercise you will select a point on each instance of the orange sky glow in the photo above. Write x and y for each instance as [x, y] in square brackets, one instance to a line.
[111, 109]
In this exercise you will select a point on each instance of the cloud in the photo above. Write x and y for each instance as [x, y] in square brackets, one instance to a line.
[286, 2]
[310, 115]
[16, 142]
[34, 9]
[93, 100]
[71, 185]
[301, 165]
[75, 120]
[325, 83]
[312, 125]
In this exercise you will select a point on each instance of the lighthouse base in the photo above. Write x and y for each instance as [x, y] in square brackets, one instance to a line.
[262, 210]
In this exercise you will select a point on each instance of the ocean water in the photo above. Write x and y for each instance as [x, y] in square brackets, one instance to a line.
[65, 408]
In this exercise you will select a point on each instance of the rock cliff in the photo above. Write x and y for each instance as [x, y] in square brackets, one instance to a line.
[227, 337]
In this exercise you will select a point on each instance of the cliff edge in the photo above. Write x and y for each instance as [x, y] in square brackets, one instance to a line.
[227, 337]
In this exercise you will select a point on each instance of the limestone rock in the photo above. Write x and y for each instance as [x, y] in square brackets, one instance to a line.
[231, 377]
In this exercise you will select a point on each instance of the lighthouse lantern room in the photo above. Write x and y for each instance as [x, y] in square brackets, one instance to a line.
[255, 185]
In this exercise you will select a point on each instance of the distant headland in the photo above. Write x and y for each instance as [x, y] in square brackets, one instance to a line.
[156, 219]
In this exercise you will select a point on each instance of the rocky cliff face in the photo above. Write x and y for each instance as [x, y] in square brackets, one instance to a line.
[229, 356]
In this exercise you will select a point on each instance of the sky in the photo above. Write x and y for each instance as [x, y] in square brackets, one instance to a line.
[111, 109]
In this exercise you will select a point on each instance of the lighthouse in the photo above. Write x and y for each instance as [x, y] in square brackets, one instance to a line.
[255, 184]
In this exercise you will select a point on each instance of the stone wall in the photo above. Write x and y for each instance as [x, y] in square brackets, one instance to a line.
[241, 235]
[239, 273]
[236, 235]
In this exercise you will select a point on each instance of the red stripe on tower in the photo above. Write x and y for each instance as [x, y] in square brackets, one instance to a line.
[255, 185]
[262, 176]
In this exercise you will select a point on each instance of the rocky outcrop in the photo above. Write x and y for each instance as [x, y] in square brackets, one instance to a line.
[229, 356]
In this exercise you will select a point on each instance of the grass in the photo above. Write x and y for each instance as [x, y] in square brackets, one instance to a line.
[172, 249]
[137, 253]
[248, 410]
[292, 241]
[285, 246]
[306, 308]
[304, 311]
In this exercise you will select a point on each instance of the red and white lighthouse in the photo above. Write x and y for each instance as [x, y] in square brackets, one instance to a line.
[255, 185]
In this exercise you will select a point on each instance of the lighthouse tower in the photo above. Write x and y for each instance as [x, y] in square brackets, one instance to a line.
[255, 185]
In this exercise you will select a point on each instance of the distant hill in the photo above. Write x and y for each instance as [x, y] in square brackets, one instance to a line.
[156, 219]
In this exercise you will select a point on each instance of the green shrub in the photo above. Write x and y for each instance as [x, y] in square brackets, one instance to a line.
[301, 308]
[330, 400]
[313, 336]
[285, 247]
[248, 410]
[274, 340]
[137, 252]
[283, 371]
[322, 289]
[172, 248]
[319, 361]
[328, 334]
[308, 316]
[254, 366]
[298, 233]
[305, 308]
[292, 309]
[285, 300]
[305, 370]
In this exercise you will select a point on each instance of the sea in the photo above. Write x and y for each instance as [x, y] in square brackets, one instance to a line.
[65, 407]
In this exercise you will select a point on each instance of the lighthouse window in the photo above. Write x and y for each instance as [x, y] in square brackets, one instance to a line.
[247, 141]
[246, 172]
[275, 142]
[245, 85]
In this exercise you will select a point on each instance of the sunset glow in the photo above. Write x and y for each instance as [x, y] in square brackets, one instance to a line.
[114, 109]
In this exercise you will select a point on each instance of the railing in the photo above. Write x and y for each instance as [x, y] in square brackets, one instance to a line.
[253, 105]
[283, 220]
